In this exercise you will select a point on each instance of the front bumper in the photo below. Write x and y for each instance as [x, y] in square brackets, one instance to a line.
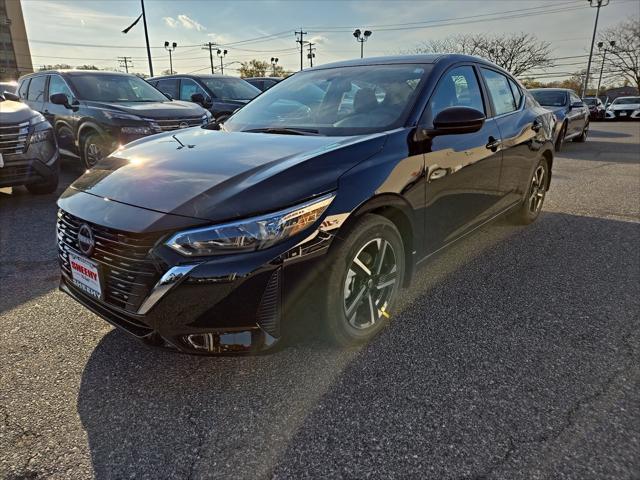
[226, 305]
[37, 164]
[622, 114]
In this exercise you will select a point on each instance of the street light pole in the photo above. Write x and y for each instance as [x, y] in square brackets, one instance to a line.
[274, 62]
[597, 4]
[222, 54]
[612, 44]
[170, 49]
[362, 37]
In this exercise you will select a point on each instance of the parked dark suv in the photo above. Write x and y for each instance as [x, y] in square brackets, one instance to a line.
[93, 113]
[302, 208]
[220, 94]
[28, 149]
[263, 83]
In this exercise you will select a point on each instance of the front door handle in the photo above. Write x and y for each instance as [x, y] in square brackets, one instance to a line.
[437, 174]
[493, 144]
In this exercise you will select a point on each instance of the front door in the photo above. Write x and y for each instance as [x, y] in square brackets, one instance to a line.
[462, 170]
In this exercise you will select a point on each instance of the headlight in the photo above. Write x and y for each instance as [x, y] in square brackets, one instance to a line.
[137, 130]
[36, 119]
[251, 234]
[206, 118]
[40, 136]
[115, 115]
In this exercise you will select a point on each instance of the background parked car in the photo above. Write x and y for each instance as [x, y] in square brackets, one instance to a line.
[28, 149]
[92, 113]
[571, 112]
[596, 108]
[11, 87]
[623, 108]
[221, 95]
[263, 83]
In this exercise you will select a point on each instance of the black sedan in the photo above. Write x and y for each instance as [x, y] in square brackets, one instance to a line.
[303, 208]
[221, 95]
[596, 108]
[572, 114]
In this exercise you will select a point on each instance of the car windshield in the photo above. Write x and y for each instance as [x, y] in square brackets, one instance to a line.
[115, 88]
[550, 98]
[231, 88]
[626, 101]
[335, 101]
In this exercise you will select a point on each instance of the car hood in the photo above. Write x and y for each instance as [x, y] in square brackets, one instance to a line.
[15, 112]
[218, 175]
[628, 106]
[157, 110]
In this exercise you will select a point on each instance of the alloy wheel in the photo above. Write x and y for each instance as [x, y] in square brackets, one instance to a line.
[94, 154]
[537, 190]
[370, 283]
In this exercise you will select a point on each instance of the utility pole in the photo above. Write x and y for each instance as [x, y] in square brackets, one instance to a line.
[146, 37]
[125, 62]
[209, 46]
[222, 54]
[597, 4]
[310, 55]
[612, 44]
[170, 49]
[300, 39]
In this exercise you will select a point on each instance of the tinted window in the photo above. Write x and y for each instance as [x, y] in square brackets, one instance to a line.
[457, 88]
[550, 98]
[517, 93]
[316, 100]
[107, 87]
[231, 88]
[188, 87]
[57, 85]
[500, 91]
[24, 87]
[574, 98]
[36, 89]
[169, 85]
[626, 100]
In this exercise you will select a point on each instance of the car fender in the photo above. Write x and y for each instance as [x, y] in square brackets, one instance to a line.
[88, 125]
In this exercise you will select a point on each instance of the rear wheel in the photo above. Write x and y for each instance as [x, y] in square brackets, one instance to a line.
[364, 279]
[560, 139]
[530, 209]
[583, 135]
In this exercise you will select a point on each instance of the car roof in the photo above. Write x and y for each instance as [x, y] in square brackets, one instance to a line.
[262, 78]
[628, 96]
[400, 59]
[190, 75]
[78, 72]
[551, 90]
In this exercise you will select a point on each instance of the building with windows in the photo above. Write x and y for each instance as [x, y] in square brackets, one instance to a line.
[15, 57]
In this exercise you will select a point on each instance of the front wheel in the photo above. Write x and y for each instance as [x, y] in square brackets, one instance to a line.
[365, 274]
[530, 208]
[94, 149]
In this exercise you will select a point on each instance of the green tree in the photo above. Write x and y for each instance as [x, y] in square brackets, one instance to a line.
[261, 68]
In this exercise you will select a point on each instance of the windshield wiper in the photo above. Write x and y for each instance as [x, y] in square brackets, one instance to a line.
[284, 131]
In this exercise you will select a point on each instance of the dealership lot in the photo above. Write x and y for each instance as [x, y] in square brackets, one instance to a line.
[515, 355]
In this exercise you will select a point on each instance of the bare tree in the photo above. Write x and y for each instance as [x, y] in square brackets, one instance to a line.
[623, 60]
[517, 53]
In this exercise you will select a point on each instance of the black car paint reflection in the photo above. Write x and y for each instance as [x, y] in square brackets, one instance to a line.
[435, 188]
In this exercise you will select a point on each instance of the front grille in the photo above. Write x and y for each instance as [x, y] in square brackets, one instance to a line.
[15, 173]
[127, 271]
[13, 138]
[177, 123]
[627, 112]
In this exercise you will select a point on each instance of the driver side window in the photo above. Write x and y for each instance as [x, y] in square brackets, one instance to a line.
[457, 88]
[188, 87]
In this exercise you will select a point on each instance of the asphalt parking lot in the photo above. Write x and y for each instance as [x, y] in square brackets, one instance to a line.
[515, 355]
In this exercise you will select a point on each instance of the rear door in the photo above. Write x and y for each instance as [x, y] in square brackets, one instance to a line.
[61, 117]
[169, 86]
[36, 92]
[462, 170]
[518, 128]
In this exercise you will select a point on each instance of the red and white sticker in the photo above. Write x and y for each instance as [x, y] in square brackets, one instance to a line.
[85, 275]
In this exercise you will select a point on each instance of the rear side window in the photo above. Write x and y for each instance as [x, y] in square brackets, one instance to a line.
[457, 88]
[168, 85]
[517, 94]
[188, 87]
[501, 95]
[24, 87]
[36, 89]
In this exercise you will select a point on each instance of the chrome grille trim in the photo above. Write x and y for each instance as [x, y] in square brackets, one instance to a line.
[13, 138]
[174, 123]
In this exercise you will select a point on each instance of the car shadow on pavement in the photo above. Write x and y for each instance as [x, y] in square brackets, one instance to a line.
[501, 343]
[593, 133]
[600, 151]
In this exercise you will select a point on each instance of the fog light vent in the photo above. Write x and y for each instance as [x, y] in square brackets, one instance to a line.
[270, 305]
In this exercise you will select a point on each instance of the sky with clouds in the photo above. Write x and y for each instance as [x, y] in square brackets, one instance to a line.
[89, 31]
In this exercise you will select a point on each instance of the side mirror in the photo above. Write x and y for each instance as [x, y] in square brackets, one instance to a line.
[60, 99]
[11, 96]
[197, 98]
[456, 120]
[168, 95]
[577, 105]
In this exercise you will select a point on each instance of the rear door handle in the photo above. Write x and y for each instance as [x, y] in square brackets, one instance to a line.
[493, 144]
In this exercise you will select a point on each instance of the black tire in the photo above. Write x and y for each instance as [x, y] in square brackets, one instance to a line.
[94, 148]
[527, 212]
[583, 135]
[560, 139]
[47, 185]
[370, 238]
